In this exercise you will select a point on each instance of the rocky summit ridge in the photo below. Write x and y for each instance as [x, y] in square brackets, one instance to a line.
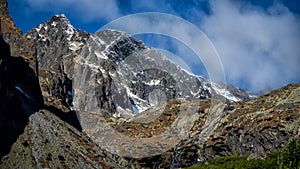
[138, 74]
[71, 99]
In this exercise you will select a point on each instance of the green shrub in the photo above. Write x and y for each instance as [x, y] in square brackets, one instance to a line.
[240, 162]
[290, 156]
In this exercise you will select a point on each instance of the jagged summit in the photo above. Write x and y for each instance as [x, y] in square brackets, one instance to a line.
[58, 23]
[63, 16]
[139, 74]
[63, 20]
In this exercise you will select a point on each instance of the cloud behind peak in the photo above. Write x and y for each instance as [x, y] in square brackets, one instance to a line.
[257, 47]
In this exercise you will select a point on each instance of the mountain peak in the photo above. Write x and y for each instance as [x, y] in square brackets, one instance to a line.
[60, 18]
[63, 23]
[58, 23]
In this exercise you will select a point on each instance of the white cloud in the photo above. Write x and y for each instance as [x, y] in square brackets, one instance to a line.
[260, 48]
[88, 10]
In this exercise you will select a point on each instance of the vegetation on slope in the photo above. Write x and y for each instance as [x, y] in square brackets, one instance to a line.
[288, 158]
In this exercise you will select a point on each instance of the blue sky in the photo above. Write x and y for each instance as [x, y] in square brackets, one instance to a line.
[257, 41]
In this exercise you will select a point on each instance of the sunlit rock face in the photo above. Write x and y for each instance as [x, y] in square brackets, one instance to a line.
[118, 70]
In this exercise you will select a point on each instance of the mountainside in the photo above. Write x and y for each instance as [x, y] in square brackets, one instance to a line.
[71, 99]
[121, 64]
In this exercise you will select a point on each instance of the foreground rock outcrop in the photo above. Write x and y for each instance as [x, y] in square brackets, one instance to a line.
[49, 142]
[20, 95]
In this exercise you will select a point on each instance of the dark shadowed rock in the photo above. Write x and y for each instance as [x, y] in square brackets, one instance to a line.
[49, 142]
[20, 96]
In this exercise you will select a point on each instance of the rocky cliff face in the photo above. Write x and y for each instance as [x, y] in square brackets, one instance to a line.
[218, 129]
[53, 65]
[20, 95]
[19, 85]
[134, 108]
[129, 76]
[20, 46]
[19, 88]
